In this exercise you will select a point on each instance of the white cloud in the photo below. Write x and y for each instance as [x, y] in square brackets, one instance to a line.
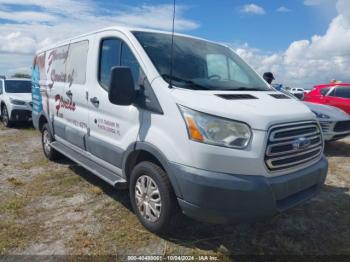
[283, 9]
[309, 62]
[55, 20]
[55, 6]
[17, 43]
[253, 9]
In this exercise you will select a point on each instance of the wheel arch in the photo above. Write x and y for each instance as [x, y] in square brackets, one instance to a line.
[143, 151]
[2, 103]
[42, 121]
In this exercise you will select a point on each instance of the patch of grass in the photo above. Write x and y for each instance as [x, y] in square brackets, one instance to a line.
[12, 235]
[13, 205]
[36, 163]
[96, 191]
[70, 179]
[15, 181]
[85, 243]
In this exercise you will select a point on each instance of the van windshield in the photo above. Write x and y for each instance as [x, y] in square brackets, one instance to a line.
[198, 64]
[18, 86]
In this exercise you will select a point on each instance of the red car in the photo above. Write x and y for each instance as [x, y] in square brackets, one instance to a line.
[337, 95]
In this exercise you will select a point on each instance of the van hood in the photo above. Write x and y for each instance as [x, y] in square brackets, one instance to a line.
[26, 97]
[260, 112]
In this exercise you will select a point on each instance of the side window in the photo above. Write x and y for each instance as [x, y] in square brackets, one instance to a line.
[332, 93]
[109, 57]
[129, 60]
[217, 66]
[56, 62]
[343, 92]
[77, 62]
[324, 91]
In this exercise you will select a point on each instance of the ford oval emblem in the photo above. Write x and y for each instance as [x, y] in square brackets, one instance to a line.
[301, 143]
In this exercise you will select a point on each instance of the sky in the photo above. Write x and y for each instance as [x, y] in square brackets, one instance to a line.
[303, 42]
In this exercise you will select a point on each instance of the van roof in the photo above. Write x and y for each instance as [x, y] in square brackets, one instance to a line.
[122, 29]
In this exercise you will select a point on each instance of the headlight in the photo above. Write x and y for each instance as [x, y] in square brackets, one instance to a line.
[17, 102]
[320, 115]
[215, 130]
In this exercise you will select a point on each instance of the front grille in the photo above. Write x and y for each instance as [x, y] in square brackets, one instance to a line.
[293, 145]
[342, 126]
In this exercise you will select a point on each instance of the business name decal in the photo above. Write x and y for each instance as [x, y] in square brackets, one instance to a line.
[64, 103]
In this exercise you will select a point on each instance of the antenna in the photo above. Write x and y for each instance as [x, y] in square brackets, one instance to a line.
[172, 47]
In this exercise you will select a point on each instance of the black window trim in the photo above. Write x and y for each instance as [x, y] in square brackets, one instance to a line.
[122, 42]
[99, 58]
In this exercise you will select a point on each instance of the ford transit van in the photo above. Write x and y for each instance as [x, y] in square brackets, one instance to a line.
[189, 129]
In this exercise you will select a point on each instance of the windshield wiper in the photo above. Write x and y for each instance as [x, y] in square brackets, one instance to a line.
[192, 84]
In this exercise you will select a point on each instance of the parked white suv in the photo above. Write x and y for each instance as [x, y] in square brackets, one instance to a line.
[198, 131]
[297, 92]
[15, 100]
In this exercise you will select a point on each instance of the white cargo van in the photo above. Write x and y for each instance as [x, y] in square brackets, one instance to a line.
[201, 133]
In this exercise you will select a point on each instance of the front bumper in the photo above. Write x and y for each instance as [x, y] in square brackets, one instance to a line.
[224, 198]
[330, 133]
[21, 115]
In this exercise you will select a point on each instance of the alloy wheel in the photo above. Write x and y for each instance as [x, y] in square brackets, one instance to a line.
[148, 199]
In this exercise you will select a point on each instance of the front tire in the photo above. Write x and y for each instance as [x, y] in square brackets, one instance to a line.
[46, 140]
[5, 117]
[152, 197]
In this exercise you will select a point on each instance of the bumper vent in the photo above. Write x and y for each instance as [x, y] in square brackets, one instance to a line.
[293, 145]
[237, 97]
[343, 126]
[326, 126]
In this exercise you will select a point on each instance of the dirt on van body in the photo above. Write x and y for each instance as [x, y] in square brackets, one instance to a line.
[49, 208]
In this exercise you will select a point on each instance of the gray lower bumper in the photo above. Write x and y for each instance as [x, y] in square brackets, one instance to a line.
[223, 198]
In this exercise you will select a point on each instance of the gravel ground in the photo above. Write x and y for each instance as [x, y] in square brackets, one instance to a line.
[59, 208]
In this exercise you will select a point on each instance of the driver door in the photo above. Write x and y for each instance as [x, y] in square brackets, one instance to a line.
[112, 127]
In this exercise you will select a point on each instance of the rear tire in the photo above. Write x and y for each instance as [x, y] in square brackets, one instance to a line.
[5, 117]
[46, 140]
[152, 197]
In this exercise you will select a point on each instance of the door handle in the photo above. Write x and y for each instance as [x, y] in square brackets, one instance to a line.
[69, 93]
[95, 101]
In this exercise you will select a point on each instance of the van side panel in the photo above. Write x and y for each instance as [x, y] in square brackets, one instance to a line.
[38, 88]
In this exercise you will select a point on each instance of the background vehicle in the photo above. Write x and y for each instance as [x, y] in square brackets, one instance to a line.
[337, 95]
[297, 92]
[206, 136]
[15, 100]
[335, 122]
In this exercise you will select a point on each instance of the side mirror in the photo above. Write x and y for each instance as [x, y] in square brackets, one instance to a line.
[121, 88]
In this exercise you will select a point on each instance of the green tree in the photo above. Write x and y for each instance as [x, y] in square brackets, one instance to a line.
[21, 75]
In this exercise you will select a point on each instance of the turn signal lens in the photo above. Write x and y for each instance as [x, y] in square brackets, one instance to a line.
[193, 131]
